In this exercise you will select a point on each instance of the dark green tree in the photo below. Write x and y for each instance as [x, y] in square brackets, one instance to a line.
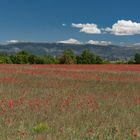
[39, 60]
[22, 57]
[13, 59]
[68, 57]
[86, 57]
[48, 59]
[32, 59]
[137, 58]
[99, 60]
[5, 59]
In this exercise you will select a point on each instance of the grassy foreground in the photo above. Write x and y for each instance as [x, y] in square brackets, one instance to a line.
[69, 102]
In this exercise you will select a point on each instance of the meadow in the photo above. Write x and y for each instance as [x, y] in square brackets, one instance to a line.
[70, 102]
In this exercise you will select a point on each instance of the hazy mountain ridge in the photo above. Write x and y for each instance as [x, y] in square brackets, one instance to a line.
[111, 52]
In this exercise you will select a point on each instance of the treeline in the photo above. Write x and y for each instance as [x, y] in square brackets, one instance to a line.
[67, 57]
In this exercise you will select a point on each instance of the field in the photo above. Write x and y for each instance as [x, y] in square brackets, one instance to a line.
[70, 102]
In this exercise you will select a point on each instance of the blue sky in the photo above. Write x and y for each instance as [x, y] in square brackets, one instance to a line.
[70, 20]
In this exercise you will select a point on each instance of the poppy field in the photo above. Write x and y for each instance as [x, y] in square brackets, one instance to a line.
[70, 102]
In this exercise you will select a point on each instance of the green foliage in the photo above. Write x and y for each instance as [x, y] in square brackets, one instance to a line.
[32, 59]
[99, 60]
[106, 62]
[39, 60]
[137, 58]
[88, 57]
[4, 59]
[68, 57]
[50, 60]
[41, 127]
[13, 59]
[21, 57]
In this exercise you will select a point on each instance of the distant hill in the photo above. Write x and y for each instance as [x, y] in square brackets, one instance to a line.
[110, 52]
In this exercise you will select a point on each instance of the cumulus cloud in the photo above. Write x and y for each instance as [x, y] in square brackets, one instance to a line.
[87, 28]
[124, 27]
[102, 43]
[70, 41]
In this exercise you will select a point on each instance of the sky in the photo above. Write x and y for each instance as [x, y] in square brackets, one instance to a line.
[70, 21]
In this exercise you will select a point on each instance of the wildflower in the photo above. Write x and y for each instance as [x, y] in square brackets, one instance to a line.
[11, 103]
[134, 132]
[30, 103]
[21, 100]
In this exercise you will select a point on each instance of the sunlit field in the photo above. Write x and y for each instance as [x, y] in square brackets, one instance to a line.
[70, 102]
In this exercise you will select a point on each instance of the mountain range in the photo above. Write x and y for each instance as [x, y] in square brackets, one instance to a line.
[110, 52]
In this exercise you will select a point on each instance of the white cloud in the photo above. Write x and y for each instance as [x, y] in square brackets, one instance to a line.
[87, 28]
[12, 41]
[70, 41]
[124, 27]
[103, 43]
[64, 24]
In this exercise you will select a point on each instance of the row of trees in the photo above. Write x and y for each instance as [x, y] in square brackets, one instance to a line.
[68, 57]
